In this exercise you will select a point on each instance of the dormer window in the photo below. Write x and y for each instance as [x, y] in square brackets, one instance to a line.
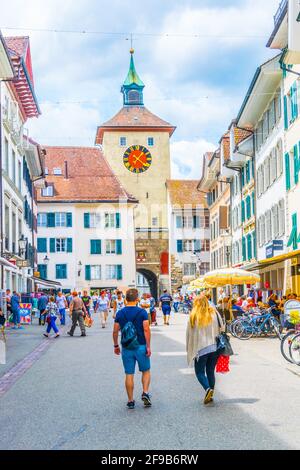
[57, 171]
[48, 191]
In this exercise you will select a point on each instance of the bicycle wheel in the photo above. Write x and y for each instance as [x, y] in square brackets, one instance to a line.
[285, 345]
[243, 330]
[294, 349]
[276, 327]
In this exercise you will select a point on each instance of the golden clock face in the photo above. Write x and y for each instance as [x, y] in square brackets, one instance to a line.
[137, 159]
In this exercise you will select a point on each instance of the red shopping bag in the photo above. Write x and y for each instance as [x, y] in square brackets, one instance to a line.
[223, 365]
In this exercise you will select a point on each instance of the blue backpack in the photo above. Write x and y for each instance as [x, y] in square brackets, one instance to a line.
[129, 335]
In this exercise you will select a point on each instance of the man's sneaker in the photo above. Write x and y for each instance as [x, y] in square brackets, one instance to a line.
[146, 399]
[69, 333]
[209, 396]
[131, 405]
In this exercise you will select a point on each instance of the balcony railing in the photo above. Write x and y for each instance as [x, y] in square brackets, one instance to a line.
[281, 8]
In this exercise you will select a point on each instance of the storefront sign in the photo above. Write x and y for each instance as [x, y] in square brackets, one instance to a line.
[24, 263]
[25, 313]
[276, 245]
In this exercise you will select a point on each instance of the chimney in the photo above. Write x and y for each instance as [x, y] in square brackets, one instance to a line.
[66, 170]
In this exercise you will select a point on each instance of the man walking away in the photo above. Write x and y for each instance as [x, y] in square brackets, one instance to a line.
[15, 308]
[165, 304]
[42, 304]
[138, 350]
[62, 304]
[77, 310]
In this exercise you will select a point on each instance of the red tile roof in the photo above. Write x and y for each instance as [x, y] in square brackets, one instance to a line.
[22, 85]
[89, 179]
[184, 193]
[18, 44]
[137, 117]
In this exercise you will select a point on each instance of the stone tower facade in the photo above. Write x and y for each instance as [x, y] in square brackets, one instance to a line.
[136, 144]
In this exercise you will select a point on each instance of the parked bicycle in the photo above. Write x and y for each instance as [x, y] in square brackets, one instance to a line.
[255, 324]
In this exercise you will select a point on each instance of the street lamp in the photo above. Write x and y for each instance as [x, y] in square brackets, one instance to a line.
[22, 245]
[46, 260]
[227, 246]
[196, 254]
[79, 268]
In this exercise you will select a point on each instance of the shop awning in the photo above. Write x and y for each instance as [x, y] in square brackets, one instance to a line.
[7, 263]
[46, 283]
[276, 259]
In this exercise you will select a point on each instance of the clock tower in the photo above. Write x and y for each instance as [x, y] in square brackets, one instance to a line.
[136, 144]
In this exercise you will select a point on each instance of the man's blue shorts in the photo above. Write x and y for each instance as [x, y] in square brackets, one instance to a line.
[166, 309]
[132, 356]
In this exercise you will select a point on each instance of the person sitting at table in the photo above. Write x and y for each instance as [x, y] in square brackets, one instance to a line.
[237, 311]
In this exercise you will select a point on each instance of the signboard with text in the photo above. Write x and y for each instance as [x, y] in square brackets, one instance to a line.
[25, 313]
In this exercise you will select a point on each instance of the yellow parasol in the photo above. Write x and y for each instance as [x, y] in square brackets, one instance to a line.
[200, 284]
[231, 277]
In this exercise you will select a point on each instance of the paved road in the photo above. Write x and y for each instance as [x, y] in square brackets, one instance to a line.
[73, 398]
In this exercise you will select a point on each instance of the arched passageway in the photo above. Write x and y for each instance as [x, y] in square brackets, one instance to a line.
[152, 281]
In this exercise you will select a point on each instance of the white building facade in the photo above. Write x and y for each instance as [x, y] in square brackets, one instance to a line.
[21, 166]
[84, 241]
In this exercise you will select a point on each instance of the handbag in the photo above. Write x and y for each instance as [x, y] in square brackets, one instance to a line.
[223, 343]
[223, 365]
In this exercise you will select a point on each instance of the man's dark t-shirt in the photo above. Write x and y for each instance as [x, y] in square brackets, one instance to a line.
[166, 299]
[139, 315]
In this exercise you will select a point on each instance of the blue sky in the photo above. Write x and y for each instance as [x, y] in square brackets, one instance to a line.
[196, 83]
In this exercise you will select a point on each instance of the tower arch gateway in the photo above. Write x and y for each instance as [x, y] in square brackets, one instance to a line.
[136, 143]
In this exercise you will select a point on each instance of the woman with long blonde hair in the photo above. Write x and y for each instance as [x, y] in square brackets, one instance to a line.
[204, 325]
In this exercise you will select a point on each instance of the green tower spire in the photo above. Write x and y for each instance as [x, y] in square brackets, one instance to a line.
[133, 86]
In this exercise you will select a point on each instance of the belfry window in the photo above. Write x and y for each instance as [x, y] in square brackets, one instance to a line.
[133, 97]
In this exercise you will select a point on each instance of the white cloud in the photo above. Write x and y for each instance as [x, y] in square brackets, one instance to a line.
[221, 29]
[187, 158]
[67, 124]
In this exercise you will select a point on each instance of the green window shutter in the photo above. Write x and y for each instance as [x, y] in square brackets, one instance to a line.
[243, 211]
[50, 219]
[248, 172]
[42, 245]
[86, 220]
[69, 219]
[244, 248]
[119, 272]
[292, 103]
[295, 95]
[197, 245]
[286, 116]
[42, 269]
[95, 247]
[248, 207]
[254, 245]
[88, 272]
[253, 203]
[119, 247]
[287, 171]
[249, 247]
[69, 245]
[118, 220]
[296, 164]
[293, 240]
[196, 221]
[61, 271]
[179, 246]
[52, 245]
[243, 177]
